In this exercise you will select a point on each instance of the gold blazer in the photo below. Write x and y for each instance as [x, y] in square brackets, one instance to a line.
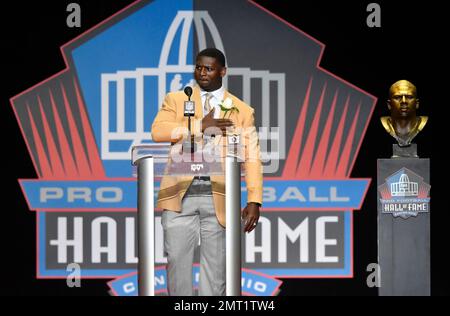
[171, 117]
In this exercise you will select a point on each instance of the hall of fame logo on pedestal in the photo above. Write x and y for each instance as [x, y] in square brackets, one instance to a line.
[404, 194]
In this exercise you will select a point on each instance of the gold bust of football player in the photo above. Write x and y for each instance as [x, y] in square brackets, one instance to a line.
[403, 124]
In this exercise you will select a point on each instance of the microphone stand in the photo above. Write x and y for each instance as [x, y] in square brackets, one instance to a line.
[191, 137]
[189, 112]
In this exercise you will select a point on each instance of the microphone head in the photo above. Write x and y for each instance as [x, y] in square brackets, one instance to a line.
[188, 91]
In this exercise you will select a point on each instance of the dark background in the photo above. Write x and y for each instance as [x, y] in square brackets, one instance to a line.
[409, 45]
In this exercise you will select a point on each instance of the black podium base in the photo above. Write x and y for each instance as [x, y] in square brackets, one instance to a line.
[404, 226]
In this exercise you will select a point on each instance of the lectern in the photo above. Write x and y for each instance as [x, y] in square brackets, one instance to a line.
[203, 163]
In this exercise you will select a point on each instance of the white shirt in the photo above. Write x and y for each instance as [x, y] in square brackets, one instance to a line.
[217, 97]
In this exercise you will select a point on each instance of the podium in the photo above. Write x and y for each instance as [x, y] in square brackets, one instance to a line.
[156, 160]
[404, 223]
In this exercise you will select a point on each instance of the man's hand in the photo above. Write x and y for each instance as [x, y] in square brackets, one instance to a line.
[210, 121]
[251, 216]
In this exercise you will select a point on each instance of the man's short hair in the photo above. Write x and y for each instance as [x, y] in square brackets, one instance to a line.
[214, 53]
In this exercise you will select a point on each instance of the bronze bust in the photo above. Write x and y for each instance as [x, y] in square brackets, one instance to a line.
[403, 124]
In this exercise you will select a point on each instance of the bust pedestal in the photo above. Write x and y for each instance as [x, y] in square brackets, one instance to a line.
[404, 223]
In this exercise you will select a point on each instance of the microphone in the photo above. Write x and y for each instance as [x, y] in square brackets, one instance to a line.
[189, 106]
[188, 92]
[189, 110]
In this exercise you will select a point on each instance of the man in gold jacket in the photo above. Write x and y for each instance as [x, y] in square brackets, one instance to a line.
[195, 206]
